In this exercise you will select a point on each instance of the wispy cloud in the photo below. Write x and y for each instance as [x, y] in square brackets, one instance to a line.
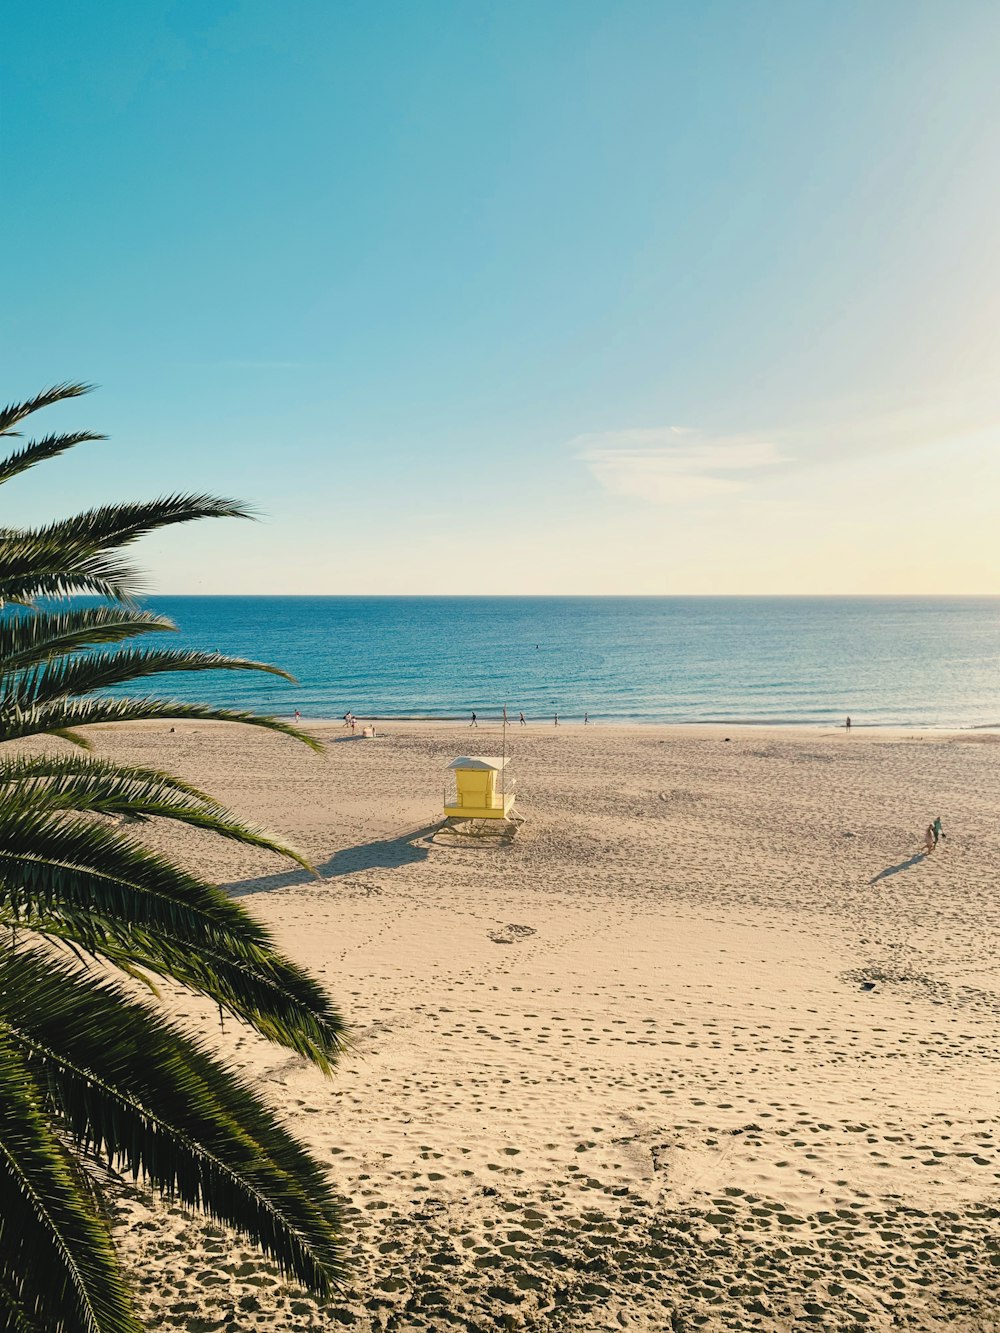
[674, 464]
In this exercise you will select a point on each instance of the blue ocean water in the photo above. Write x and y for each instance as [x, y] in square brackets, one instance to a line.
[886, 661]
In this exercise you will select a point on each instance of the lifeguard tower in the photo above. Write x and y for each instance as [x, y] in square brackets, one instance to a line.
[483, 790]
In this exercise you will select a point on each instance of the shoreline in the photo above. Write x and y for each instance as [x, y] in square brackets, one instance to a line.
[686, 727]
[709, 730]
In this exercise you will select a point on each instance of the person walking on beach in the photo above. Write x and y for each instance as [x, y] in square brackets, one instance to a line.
[473, 723]
[938, 830]
[298, 716]
[555, 720]
[848, 722]
[586, 719]
[521, 720]
[930, 842]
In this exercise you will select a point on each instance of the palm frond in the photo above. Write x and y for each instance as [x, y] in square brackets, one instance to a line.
[136, 1094]
[32, 566]
[93, 786]
[84, 1070]
[92, 885]
[37, 767]
[37, 451]
[72, 555]
[33, 637]
[73, 737]
[57, 1262]
[15, 1316]
[71, 713]
[14, 413]
[51, 681]
[115, 525]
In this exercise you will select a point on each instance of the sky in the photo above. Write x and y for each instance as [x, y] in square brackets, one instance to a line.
[534, 296]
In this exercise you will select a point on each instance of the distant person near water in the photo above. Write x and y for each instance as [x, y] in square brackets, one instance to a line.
[473, 723]
[521, 719]
[298, 716]
[847, 724]
[586, 719]
[555, 719]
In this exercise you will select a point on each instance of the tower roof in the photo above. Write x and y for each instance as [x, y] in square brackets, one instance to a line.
[480, 763]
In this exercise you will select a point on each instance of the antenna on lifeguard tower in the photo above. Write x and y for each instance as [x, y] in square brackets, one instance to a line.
[503, 755]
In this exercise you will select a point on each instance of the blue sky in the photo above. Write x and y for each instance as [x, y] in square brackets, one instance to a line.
[518, 297]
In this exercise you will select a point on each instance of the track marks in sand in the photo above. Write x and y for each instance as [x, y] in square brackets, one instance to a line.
[672, 1107]
[589, 1258]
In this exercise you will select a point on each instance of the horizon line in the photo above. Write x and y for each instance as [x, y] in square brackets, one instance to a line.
[620, 596]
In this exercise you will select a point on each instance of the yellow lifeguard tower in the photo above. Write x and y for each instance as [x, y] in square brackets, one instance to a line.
[482, 789]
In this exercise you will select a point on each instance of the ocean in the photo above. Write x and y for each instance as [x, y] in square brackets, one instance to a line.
[901, 661]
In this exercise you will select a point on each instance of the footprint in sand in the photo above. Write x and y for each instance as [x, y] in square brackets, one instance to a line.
[510, 934]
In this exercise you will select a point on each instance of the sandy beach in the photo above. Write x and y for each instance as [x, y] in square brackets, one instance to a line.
[709, 1045]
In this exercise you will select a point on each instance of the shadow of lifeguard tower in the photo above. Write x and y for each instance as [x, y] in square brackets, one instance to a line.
[482, 799]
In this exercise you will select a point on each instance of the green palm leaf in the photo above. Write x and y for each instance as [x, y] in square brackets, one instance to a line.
[60, 715]
[54, 680]
[34, 637]
[94, 786]
[157, 1106]
[41, 768]
[14, 413]
[57, 1263]
[73, 554]
[37, 451]
[14, 1316]
[86, 1072]
[98, 888]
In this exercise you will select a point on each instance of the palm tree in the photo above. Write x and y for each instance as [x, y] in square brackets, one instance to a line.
[88, 1072]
